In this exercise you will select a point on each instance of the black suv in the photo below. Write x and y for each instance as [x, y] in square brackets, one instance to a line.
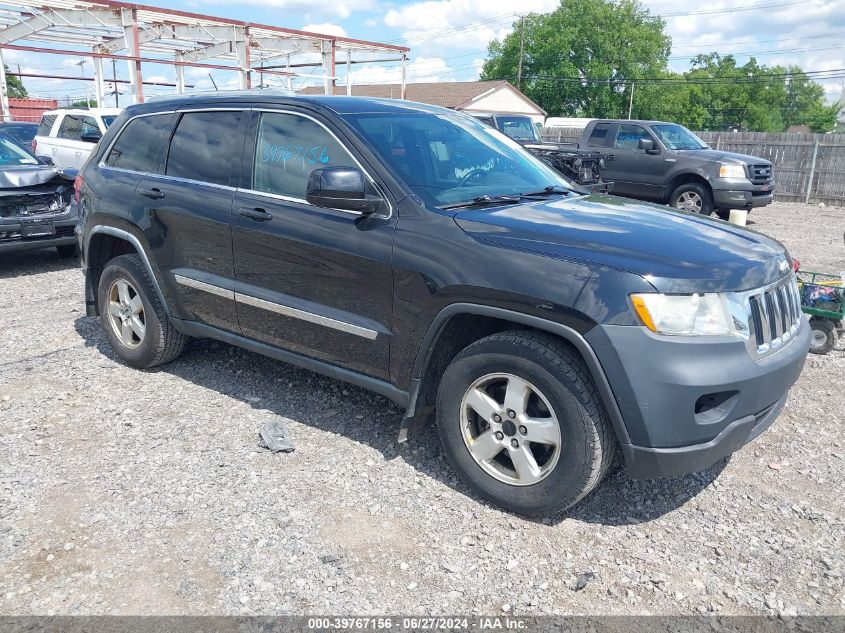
[416, 252]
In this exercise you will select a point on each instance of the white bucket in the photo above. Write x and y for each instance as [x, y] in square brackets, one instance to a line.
[738, 217]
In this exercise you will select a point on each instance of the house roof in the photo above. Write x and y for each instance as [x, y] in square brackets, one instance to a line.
[447, 94]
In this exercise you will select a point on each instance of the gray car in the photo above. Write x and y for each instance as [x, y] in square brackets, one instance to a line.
[36, 209]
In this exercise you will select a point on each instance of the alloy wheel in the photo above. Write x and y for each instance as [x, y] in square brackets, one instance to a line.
[126, 313]
[689, 201]
[510, 429]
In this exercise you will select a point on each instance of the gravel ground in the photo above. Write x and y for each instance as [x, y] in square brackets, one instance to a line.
[128, 492]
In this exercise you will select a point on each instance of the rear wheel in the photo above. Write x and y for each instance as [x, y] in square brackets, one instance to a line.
[132, 315]
[693, 198]
[521, 421]
[824, 336]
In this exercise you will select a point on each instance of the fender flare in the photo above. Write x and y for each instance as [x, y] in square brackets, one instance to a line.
[569, 334]
[136, 243]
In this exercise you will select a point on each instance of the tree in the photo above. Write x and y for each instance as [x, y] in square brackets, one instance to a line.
[15, 85]
[608, 42]
[83, 103]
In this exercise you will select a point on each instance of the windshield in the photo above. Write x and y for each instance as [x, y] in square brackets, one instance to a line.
[13, 154]
[519, 128]
[676, 136]
[447, 159]
[108, 119]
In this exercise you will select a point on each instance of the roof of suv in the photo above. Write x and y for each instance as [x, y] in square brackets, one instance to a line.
[339, 104]
[87, 111]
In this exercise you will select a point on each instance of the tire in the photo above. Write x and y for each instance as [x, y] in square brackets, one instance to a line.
[824, 336]
[151, 339]
[66, 251]
[723, 214]
[561, 396]
[692, 197]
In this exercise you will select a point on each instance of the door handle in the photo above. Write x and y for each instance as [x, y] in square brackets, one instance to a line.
[153, 193]
[611, 157]
[257, 214]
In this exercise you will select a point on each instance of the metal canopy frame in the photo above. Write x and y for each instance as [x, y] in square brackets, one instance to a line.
[141, 34]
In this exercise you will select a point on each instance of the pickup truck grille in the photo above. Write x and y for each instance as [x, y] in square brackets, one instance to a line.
[760, 174]
[774, 316]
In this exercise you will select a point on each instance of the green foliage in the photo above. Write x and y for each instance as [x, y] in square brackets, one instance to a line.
[598, 39]
[613, 42]
[90, 103]
[16, 87]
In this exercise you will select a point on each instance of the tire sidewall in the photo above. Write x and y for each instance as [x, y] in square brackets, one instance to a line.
[831, 336]
[143, 355]
[706, 198]
[570, 477]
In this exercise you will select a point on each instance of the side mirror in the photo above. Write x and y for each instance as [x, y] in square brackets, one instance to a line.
[45, 160]
[91, 137]
[648, 145]
[341, 188]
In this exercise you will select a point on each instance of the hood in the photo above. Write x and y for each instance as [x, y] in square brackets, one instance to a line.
[719, 156]
[27, 176]
[673, 250]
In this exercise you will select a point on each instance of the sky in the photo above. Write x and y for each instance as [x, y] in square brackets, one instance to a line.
[448, 38]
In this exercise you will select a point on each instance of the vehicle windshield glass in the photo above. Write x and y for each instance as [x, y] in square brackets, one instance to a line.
[448, 159]
[13, 154]
[519, 128]
[108, 119]
[678, 137]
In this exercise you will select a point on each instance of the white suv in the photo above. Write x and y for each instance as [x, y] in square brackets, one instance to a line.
[68, 136]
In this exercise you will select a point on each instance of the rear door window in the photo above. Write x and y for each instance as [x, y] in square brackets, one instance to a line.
[139, 146]
[46, 124]
[289, 148]
[206, 146]
[599, 135]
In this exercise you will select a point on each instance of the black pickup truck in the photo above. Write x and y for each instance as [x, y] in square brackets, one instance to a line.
[412, 251]
[666, 163]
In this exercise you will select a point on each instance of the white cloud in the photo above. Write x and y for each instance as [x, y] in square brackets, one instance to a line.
[325, 28]
[437, 25]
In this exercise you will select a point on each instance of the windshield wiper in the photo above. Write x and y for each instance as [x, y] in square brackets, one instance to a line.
[483, 201]
[548, 191]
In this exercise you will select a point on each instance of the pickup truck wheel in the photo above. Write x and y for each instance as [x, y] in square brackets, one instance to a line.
[132, 315]
[521, 421]
[692, 197]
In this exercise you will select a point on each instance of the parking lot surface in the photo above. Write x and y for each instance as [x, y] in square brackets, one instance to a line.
[130, 492]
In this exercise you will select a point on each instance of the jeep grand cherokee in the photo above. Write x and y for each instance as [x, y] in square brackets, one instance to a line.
[416, 252]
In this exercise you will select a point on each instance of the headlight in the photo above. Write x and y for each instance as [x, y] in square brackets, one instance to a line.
[704, 314]
[731, 171]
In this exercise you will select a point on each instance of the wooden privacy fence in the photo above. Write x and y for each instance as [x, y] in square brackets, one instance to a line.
[808, 167]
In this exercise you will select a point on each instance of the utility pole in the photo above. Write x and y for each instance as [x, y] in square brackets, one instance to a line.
[114, 79]
[521, 51]
[631, 101]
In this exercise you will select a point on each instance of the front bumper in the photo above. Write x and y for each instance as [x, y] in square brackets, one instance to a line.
[688, 402]
[11, 240]
[736, 193]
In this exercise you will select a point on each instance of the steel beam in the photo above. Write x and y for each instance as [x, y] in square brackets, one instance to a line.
[215, 50]
[130, 32]
[59, 17]
[4, 91]
[180, 74]
[242, 49]
[99, 90]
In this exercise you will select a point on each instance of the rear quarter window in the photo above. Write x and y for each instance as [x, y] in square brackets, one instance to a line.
[140, 145]
[599, 135]
[46, 124]
[70, 128]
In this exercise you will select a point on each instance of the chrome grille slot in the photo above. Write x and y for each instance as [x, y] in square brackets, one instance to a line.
[774, 315]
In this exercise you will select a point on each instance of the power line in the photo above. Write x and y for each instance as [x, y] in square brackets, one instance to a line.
[747, 7]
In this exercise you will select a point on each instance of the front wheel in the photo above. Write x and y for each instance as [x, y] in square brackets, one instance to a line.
[693, 198]
[523, 424]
